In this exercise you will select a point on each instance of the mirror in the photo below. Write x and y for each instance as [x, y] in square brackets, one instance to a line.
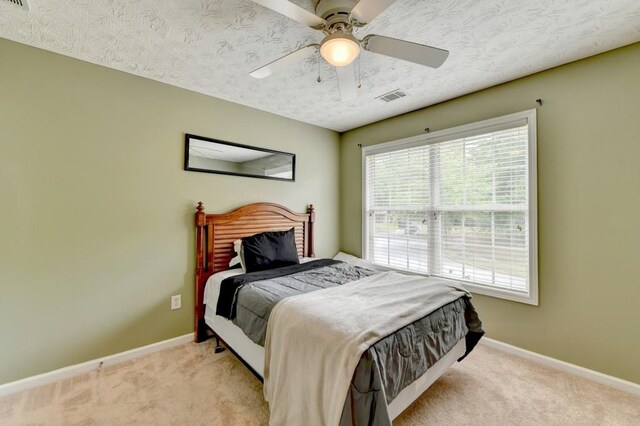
[216, 156]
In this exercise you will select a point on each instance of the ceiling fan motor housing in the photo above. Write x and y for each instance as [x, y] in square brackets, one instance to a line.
[335, 12]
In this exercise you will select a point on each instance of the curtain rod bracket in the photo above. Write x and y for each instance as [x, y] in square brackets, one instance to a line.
[427, 130]
[539, 101]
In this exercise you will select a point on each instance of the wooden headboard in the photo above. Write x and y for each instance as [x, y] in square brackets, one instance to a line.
[215, 234]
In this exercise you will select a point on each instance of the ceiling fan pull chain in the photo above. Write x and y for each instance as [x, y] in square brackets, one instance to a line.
[359, 74]
[319, 79]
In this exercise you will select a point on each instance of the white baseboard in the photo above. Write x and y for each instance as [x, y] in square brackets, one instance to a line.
[576, 370]
[94, 365]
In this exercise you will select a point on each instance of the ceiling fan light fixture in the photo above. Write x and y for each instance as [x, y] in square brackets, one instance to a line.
[340, 49]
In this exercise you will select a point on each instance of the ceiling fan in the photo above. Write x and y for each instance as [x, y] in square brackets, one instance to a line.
[337, 19]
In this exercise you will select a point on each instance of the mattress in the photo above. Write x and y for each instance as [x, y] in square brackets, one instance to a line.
[252, 353]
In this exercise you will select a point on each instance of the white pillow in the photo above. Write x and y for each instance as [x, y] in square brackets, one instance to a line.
[234, 261]
[239, 258]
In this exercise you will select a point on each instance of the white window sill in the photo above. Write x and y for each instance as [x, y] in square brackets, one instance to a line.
[514, 296]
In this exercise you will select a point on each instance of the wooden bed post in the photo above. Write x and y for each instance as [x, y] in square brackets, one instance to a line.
[312, 219]
[199, 327]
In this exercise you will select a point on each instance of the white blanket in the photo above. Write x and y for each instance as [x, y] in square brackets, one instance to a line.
[315, 340]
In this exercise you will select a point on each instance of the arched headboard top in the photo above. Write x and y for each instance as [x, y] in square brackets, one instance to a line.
[259, 208]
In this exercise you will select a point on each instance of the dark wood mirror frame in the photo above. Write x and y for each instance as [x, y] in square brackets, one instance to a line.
[188, 167]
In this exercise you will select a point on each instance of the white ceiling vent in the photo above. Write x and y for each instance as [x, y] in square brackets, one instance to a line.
[392, 96]
[22, 3]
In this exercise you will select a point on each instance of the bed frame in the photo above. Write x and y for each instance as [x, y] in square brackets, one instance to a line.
[215, 234]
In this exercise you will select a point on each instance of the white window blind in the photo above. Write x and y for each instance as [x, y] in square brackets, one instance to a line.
[455, 205]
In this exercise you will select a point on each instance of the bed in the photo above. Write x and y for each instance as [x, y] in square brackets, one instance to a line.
[215, 234]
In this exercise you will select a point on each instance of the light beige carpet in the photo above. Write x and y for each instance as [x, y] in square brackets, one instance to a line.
[190, 385]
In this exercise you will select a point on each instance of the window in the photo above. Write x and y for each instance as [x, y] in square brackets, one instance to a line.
[459, 204]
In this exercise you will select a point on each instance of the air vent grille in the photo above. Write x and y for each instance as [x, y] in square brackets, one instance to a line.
[392, 96]
[22, 3]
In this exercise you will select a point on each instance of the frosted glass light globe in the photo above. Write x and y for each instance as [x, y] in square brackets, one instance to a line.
[340, 49]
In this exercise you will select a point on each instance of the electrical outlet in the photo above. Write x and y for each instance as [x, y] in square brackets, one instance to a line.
[176, 302]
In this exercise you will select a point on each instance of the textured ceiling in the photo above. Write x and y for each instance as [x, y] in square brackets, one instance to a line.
[210, 47]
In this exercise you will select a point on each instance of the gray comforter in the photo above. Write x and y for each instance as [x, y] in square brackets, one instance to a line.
[254, 301]
[385, 368]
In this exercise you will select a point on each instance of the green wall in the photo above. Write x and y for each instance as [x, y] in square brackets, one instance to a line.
[96, 214]
[589, 199]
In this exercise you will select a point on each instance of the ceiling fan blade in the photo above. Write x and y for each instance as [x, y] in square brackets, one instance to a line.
[367, 10]
[294, 12]
[284, 61]
[406, 50]
[347, 82]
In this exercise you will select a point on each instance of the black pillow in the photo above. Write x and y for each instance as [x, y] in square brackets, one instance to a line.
[269, 250]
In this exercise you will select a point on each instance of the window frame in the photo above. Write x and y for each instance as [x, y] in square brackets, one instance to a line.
[457, 132]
